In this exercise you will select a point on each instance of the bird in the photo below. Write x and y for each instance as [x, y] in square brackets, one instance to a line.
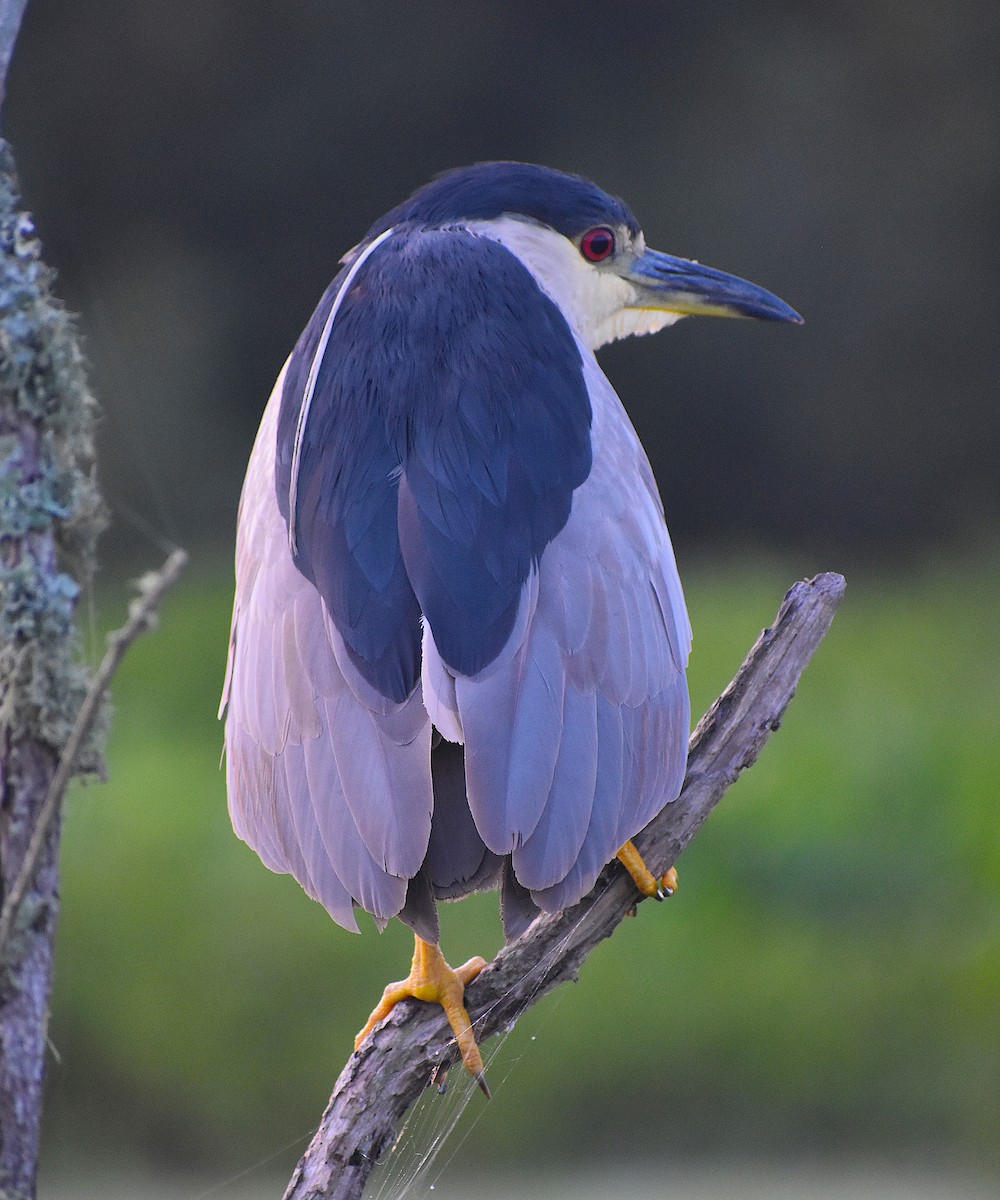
[459, 640]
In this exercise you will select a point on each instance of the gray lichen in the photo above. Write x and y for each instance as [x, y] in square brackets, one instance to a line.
[50, 517]
[51, 512]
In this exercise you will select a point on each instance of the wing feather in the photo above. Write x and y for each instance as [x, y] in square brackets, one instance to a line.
[323, 786]
[554, 846]
[524, 527]
[382, 758]
[512, 720]
[251, 788]
[324, 883]
[605, 812]
[581, 737]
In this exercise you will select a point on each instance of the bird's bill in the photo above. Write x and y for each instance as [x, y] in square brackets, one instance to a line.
[678, 285]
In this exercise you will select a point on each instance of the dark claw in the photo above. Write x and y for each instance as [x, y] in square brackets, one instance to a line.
[483, 1085]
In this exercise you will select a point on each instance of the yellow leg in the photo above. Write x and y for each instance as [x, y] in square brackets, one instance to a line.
[431, 979]
[643, 878]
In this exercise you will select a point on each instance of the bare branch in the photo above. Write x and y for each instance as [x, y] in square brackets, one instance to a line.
[152, 587]
[395, 1064]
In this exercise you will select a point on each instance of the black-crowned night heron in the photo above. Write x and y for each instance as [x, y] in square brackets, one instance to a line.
[459, 639]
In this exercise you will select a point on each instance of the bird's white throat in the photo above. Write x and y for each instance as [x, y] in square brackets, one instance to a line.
[597, 303]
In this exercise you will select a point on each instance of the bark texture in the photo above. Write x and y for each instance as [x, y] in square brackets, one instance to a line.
[398, 1060]
[50, 516]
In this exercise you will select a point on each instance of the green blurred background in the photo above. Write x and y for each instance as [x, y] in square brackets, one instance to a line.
[826, 984]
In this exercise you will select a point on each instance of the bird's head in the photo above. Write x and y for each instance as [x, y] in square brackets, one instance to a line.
[584, 247]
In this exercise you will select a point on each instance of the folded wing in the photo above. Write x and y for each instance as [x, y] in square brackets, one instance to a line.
[472, 513]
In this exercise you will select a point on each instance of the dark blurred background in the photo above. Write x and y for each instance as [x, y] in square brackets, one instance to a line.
[198, 167]
[828, 982]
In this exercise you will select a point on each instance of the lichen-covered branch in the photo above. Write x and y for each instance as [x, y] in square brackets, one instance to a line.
[51, 710]
[50, 517]
[395, 1064]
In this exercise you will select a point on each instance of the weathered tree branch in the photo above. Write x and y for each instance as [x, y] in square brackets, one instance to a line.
[50, 710]
[396, 1063]
[50, 517]
[51, 514]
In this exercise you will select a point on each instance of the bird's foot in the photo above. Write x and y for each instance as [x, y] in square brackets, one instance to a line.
[643, 878]
[432, 980]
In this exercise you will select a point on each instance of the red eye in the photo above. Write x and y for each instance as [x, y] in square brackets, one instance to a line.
[597, 244]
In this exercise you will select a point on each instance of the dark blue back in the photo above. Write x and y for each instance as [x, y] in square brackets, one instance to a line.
[449, 427]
